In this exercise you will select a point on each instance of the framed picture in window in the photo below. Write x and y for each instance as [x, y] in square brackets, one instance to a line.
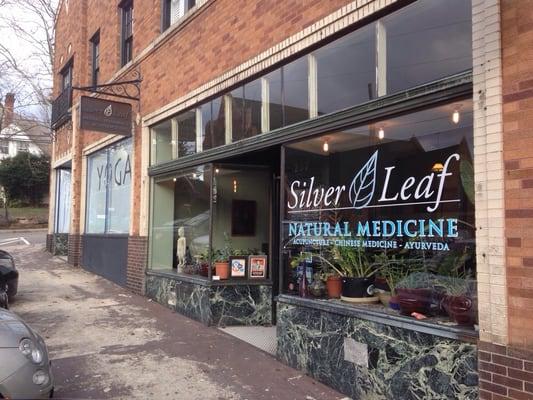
[243, 215]
[257, 267]
[237, 267]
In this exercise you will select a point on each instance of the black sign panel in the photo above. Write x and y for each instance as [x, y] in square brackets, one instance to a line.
[105, 116]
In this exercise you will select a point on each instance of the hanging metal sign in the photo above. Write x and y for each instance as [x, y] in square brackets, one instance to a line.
[105, 116]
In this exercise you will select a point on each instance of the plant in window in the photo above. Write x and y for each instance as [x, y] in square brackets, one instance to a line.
[221, 258]
[394, 270]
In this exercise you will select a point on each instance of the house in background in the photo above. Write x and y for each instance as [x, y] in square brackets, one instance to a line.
[21, 134]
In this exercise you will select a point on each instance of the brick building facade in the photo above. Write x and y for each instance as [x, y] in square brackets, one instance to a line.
[197, 62]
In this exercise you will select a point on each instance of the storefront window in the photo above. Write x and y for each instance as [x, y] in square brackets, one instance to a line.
[162, 142]
[346, 71]
[427, 40]
[417, 44]
[181, 209]
[295, 91]
[232, 202]
[109, 189]
[186, 124]
[246, 111]
[62, 200]
[391, 203]
[213, 124]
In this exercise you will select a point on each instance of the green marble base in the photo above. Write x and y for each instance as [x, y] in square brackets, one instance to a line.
[212, 303]
[372, 356]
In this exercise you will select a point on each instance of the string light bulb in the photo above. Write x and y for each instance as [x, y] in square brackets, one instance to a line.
[235, 186]
[455, 116]
[217, 170]
[381, 133]
[325, 146]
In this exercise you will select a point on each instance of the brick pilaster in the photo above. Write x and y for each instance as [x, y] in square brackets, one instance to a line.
[137, 259]
[74, 250]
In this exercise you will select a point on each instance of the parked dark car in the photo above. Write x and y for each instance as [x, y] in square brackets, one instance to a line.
[9, 278]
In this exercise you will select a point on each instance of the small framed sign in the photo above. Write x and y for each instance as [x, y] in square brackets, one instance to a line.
[257, 267]
[237, 267]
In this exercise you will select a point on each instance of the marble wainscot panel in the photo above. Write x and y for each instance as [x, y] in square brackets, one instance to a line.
[60, 244]
[241, 305]
[212, 303]
[162, 290]
[192, 300]
[367, 358]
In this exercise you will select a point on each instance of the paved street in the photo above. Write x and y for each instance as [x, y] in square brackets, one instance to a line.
[106, 342]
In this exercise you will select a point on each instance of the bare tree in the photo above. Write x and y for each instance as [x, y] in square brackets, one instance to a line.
[28, 73]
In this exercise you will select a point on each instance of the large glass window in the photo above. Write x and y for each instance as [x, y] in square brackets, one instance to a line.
[62, 200]
[181, 208]
[422, 42]
[109, 173]
[162, 142]
[391, 203]
[213, 125]
[186, 124]
[346, 71]
[206, 216]
[427, 40]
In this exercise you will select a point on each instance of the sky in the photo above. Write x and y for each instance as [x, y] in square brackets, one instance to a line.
[24, 52]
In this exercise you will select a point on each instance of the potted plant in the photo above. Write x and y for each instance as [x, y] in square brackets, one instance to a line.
[457, 300]
[357, 271]
[416, 293]
[333, 284]
[394, 270]
[221, 258]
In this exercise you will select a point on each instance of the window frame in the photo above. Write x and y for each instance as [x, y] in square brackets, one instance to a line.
[126, 32]
[66, 75]
[166, 12]
[95, 58]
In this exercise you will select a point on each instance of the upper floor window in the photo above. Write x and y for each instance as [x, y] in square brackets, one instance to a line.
[127, 31]
[95, 42]
[173, 10]
[4, 146]
[23, 147]
[66, 76]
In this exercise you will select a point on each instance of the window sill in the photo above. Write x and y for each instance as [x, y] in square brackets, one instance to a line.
[204, 281]
[382, 315]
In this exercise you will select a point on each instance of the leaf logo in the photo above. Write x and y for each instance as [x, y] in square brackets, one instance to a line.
[362, 187]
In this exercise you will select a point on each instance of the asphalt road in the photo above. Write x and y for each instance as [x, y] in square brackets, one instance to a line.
[11, 238]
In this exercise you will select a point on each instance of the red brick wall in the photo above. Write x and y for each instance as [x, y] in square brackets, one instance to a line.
[517, 40]
[505, 372]
[137, 256]
[224, 35]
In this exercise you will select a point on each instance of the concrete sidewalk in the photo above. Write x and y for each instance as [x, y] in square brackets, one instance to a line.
[106, 342]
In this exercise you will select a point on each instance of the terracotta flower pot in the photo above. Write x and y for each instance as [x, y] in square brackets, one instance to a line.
[222, 269]
[334, 287]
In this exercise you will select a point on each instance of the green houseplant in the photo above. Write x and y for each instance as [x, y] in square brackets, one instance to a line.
[221, 258]
[357, 271]
[394, 270]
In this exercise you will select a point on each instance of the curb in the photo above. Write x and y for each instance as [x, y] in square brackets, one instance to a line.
[23, 230]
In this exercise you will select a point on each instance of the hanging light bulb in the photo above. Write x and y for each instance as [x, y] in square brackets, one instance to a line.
[235, 186]
[174, 179]
[455, 117]
[381, 133]
[437, 167]
[217, 170]
[325, 146]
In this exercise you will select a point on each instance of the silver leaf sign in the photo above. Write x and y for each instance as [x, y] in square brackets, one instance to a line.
[362, 187]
